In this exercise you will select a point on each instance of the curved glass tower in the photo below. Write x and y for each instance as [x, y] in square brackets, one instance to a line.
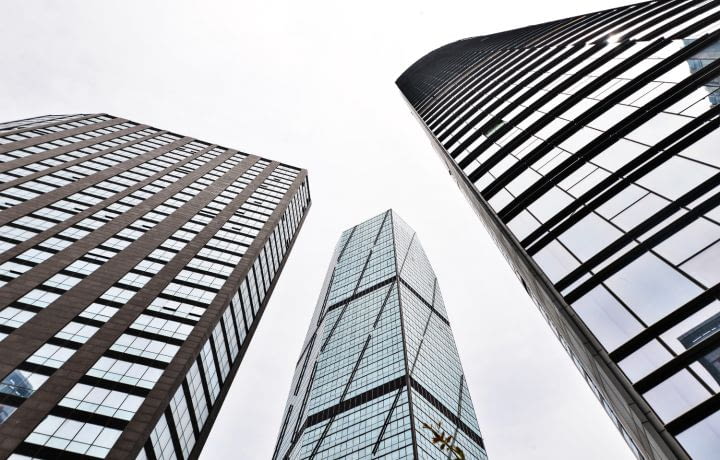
[589, 148]
[379, 359]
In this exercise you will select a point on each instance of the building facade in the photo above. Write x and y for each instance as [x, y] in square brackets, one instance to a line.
[135, 264]
[379, 359]
[588, 147]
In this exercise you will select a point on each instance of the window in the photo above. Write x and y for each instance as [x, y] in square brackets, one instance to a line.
[98, 400]
[116, 370]
[73, 436]
[147, 348]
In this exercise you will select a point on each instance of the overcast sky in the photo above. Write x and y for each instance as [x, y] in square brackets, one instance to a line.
[311, 83]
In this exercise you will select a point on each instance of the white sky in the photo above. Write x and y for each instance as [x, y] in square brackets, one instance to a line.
[311, 83]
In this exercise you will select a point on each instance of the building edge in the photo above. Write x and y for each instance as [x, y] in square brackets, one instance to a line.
[635, 417]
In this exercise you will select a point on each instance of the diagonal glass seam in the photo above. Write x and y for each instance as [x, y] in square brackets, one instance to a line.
[362, 273]
[420, 344]
[382, 307]
[321, 316]
[427, 396]
[407, 253]
[298, 430]
[424, 302]
[342, 397]
[376, 446]
[459, 407]
[362, 293]
[354, 293]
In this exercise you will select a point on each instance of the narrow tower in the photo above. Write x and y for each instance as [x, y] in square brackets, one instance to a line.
[379, 360]
[588, 146]
[135, 264]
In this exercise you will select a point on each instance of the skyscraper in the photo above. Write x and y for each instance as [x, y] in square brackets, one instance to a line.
[379, 358]
[135, 264]
[588, 147]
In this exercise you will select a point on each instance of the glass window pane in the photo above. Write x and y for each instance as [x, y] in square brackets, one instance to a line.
[611, 323]
[652, 288]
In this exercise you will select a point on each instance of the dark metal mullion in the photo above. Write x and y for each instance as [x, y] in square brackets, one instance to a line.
[459, 410]
[173, 433]
[50, 123]
[191, 409]
[281, 436]
[621, 18]
[204, 382]
[478, 69]
[376, 446]
[695, 26]
[107, 384]
[450, 99]
[599, 108]
[647, 225]
[469, 95]
[666, 11]
[559, 35]
[149, 451]
[424, 302]
[221, 379]
[679, 362]
[652, 241]
[503, 82]
[650, 10]
[407, 253]
[493, 70]
[355, 368]
[73, 221]
[348, 301]
[322, 314]
[246, 321]
[587, 90]
[382, 307]
[664, 324]
[31, 450]
[234, 324]
[359, 294]
[596, 24]
[227, 342]
[433, 89]
[694, 415]
[532, 76]
[45, 138]
[299, 425]
[680, 19]
[62, 166]
[342, 397]
[122, 356]
[420, 343]
[437, 404]
[591, 65]
[624, 176]
[639, 117]
[308, 352]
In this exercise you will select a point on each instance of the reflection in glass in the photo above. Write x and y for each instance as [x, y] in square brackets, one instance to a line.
[702, 59]
[710, 361]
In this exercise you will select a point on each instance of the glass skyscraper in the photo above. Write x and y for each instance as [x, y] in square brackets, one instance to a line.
[589, 149]
[135, 264]
[379, 359]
